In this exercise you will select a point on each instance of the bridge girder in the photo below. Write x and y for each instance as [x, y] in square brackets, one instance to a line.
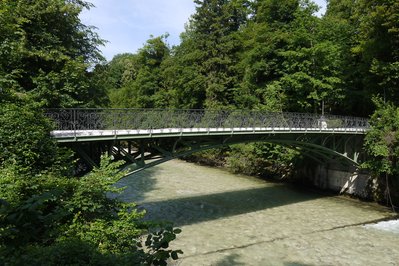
[144, 153]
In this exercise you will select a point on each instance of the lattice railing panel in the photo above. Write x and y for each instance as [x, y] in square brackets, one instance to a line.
[102, 119]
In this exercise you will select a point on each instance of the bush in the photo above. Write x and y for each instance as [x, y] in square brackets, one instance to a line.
[40, 214]
[25, 138]
[261, 159]
[48, 217]
[382, 147]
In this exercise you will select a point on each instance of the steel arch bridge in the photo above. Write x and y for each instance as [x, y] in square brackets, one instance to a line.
[147, 137]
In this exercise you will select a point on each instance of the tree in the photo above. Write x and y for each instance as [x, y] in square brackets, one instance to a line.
[182, 80]
[24, 144]
[289, 62]
[382, 147]
[137, 77]
[212, 32]
[311, 65]
[260, 62]
[339, 27]
[377, 44]
[46, 51]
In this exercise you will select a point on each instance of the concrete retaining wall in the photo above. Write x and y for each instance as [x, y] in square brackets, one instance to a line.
[337, 178]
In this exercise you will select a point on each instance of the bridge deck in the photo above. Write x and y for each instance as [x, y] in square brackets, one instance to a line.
[121, 134]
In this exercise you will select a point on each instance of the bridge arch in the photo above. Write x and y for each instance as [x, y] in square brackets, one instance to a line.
[323, 154]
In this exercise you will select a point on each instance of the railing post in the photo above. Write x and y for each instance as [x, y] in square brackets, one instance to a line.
[74, 122]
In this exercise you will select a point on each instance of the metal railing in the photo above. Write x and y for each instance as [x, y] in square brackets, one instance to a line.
[112, 119]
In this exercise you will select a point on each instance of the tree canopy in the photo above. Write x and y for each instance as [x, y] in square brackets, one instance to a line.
[46, 51]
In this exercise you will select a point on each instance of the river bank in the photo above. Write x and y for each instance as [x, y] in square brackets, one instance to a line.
[232, 219]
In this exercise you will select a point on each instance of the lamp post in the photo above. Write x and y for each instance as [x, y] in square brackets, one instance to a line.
[322, 120]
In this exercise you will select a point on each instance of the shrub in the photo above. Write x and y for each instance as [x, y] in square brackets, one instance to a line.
[48, 217]
[47, 214]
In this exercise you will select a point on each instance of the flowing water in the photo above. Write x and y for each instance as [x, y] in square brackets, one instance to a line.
[232, 219]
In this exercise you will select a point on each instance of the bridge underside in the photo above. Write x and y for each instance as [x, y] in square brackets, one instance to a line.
[145, 152]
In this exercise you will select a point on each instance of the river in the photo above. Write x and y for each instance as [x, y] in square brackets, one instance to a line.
[230, 219]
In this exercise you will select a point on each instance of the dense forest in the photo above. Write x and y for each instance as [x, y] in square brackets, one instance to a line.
[273, 55]
[234, 54]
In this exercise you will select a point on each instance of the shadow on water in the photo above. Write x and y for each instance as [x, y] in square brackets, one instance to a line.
[137, 185]
[295, 264]
[201, 208]
[232, 259]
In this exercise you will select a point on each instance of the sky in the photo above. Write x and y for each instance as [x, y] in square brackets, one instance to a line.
[127, 24]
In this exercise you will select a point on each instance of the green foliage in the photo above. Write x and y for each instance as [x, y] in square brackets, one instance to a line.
[68, 252]
[372, 40]
[51, 215]
[243, 159]
[213, 29]
[46, 51]
[339, 27]
[212, 157]
[278, 12]
[259, 68]
[284, 56]
[136, 78]
[262, 159]
[381, 140]
[237, 53]
[182, 79]
[23, 143]
[27, 213]
[382, 147]
[199, 72]
[48, 217]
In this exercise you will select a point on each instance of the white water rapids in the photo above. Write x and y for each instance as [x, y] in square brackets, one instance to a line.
[391, 226]
[232, 219]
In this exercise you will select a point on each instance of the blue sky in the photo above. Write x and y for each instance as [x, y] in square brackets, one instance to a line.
[128, 24]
